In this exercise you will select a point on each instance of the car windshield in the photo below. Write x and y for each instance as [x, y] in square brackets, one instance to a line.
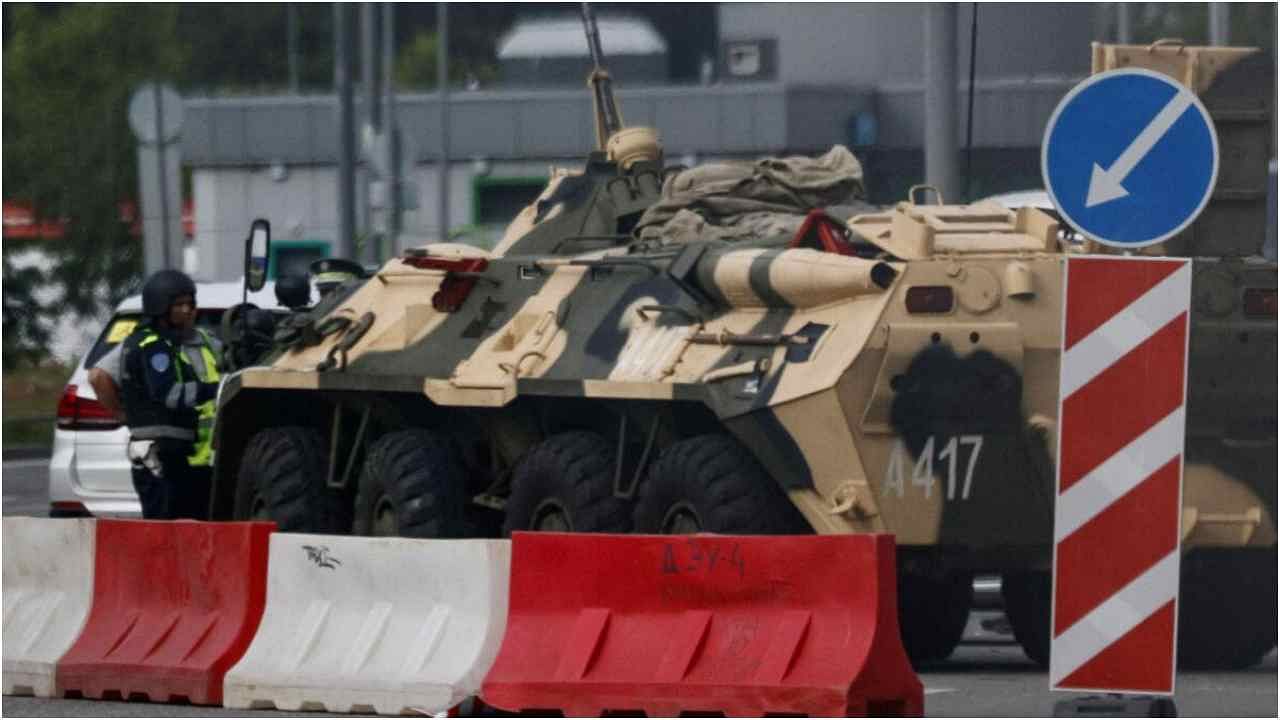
[123, 323]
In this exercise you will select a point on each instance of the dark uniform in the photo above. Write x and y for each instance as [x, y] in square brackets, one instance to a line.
[164, 399]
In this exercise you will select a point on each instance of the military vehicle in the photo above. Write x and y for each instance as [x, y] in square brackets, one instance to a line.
[728, 348]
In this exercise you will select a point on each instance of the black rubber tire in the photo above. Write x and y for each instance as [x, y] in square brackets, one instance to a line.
[416, 476]
[715, 484]
[287, 467]
[570, 476]
[932, 613]
[1028, 595]
[1226, 608]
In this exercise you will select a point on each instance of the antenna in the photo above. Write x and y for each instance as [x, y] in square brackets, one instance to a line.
[608, 119]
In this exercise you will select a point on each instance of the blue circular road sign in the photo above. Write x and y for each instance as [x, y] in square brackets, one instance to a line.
[1130, 157]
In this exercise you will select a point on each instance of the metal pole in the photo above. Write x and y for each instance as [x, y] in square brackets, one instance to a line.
[291, 22]
[1269, 245]
[940, 98]
[973, 70]
[369, 59]
[346, 132]
[1219, 23]
[1124, 28]
[392, 129]
[160, 167]
[442, 86]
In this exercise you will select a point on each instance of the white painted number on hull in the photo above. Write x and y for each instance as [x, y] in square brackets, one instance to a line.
[922, 472]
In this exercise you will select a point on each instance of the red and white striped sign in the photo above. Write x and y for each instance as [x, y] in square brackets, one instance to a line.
[1122, 420]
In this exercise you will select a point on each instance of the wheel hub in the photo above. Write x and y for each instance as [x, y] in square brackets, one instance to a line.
[681, 519]
[385, 523]
[551, 516]
[259, 509]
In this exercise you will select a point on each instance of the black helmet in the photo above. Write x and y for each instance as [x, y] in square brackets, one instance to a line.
[162, 288]
[293, 291]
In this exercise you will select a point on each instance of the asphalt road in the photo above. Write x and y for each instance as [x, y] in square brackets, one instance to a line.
[986, 677]
[978, 681]
[26, 487]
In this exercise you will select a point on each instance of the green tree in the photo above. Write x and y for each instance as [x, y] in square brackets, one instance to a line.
[26, 334]
[68, 149]
[416, 65]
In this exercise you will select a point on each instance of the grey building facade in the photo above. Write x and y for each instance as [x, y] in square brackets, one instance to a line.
[797, 80]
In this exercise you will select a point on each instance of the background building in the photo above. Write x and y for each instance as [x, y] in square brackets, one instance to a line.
[787, 79]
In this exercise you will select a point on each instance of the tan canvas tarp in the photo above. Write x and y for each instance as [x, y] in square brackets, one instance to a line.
[751, 201]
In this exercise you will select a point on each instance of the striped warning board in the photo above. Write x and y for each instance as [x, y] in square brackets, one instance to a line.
[1116, 520]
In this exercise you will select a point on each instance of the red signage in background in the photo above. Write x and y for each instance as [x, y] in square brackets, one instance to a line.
[1122, 423]
[20, 222]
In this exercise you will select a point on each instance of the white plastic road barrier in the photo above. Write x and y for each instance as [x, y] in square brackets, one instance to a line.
[355, 624]
[48, 588]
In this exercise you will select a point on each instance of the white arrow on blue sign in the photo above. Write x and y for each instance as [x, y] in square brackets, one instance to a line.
[1130, 157]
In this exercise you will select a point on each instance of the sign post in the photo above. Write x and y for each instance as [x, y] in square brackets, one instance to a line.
[155, 115]
[1130, 159]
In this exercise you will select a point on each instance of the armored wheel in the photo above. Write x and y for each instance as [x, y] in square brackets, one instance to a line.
[710, 483]
[412, 485]
[932, 613]
[565, 484]
[282, 478]
[1027, 597]
[1226, 608]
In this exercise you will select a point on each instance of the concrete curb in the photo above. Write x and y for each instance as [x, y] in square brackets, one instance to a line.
[27, 452]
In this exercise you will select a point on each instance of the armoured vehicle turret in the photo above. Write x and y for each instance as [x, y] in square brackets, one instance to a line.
[738, 347]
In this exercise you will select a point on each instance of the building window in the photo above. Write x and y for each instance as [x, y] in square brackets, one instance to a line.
[294, 257]
[497, 200]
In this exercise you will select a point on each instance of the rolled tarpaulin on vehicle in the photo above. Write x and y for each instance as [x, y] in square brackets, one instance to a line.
[48, 588]
[175, 605]
[385, 625]
[740, 625]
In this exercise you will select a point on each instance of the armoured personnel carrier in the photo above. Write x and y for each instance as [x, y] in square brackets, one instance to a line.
[728, 348]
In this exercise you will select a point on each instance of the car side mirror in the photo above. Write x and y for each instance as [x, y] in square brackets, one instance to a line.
[257, 251]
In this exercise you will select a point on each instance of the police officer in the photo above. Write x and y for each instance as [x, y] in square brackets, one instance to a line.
[330, 273]
[169, 401]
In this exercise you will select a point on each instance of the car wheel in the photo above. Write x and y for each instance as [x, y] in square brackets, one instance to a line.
[412, 485]
[282, 478]
[710, 483]
[565, 484]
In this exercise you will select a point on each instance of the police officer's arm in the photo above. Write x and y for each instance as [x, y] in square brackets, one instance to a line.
[104, 379]
[163, 384]
[105, 388]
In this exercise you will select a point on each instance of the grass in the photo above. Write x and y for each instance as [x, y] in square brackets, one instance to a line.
[30, 403]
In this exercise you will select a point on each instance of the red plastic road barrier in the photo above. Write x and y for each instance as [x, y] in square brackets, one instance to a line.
[175, 605]
[703, 623]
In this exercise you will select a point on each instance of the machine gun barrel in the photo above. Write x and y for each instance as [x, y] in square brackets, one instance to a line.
[608, 119]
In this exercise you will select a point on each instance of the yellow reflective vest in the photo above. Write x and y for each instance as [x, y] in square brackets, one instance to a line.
[202, 454]
[202, 451]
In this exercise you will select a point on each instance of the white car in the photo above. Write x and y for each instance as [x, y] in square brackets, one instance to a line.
[1039, 199]
[89, 471]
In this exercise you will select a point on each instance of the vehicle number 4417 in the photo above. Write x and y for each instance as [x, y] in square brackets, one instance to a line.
[922, 469]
